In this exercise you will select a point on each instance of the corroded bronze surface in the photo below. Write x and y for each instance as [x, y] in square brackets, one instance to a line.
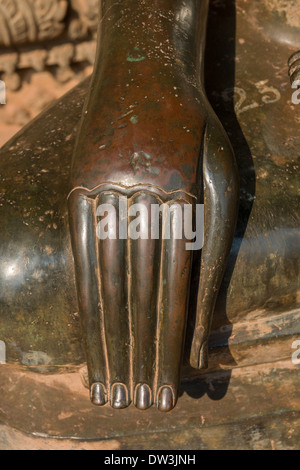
[257, 316]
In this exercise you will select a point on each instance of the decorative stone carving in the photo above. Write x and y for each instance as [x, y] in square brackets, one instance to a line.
[27, 21]
[40, 34]
[87, 11]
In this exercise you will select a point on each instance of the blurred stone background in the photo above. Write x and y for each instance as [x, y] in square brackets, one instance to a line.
[46, 48]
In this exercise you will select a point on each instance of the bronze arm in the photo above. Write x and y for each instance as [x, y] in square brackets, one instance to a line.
[148, 134]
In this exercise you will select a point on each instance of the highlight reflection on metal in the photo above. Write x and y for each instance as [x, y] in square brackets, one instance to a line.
[2, 352]
[13, 271]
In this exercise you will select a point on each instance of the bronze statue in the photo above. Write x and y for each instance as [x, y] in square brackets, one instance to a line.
[146, 307]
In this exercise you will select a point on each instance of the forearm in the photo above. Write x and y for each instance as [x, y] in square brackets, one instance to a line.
[168, 34]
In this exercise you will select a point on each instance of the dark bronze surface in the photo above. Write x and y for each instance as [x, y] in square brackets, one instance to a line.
[257, 316]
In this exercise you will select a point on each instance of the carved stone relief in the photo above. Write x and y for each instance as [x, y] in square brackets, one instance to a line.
[25, 21]
[36, 34]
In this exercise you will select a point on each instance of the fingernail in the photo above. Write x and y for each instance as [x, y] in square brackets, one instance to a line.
[119, 398]
[165, 400]
[98, 395]
[143, 397]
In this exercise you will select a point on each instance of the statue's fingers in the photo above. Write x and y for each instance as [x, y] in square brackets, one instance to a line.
[144, 265]
[113, 280]
[173, 302]
[83, 232]
[221, 197]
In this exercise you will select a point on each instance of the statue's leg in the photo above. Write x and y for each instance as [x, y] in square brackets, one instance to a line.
[83, 229]
[221, 197]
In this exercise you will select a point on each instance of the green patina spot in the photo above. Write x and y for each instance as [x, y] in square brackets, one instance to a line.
[136, 55]
[134, 119]
[154, 171]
